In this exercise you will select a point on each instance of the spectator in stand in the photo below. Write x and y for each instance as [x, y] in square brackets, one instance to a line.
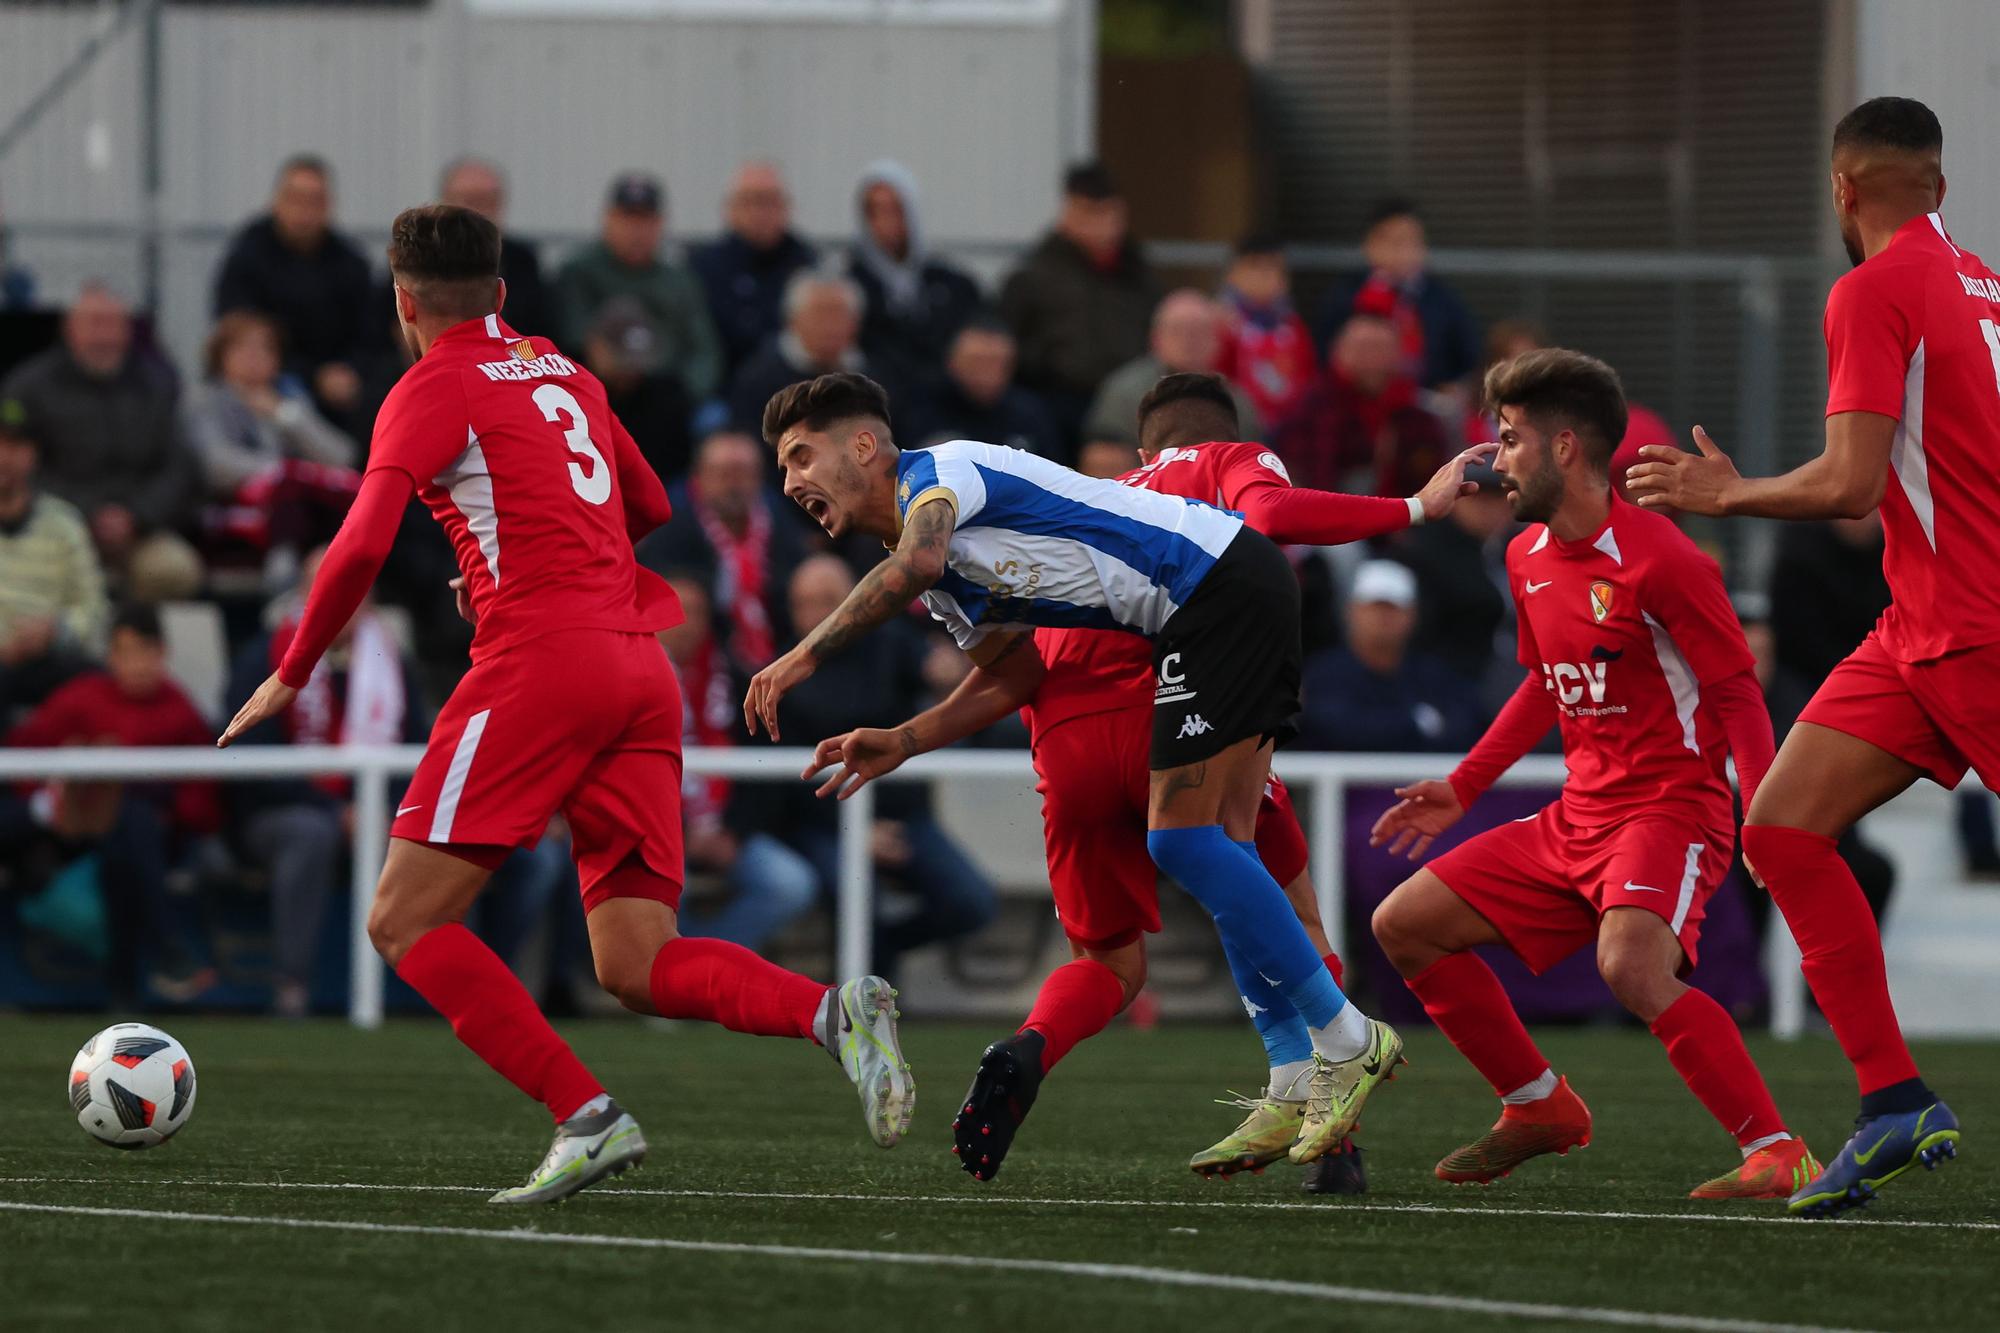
[725, 529]
[822, 328]
[747, 270]
[1186, 338]
[1267, 351]
[1106, 458]
[52, 607]
[296, 830]
[1437, 338]
[1361, 428]
[136, 832]
[770, 884]
[282, 474]
[1376, 694]
[112, 446]
[624, 263]
[871, 684]
[1461, 569]
[1082, 300]
[914, 303]
[292, 265]
[979, 399]
[1511, 337]
[477, 184]
[623, 351]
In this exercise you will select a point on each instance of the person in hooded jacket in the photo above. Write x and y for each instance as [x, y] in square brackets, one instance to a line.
[914, 302]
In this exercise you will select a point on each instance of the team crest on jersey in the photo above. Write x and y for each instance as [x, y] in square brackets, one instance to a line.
[523, 350]
[903, 492]
[1600, 601]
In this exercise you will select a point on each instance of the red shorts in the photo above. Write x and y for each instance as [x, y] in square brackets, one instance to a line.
[1942, 715]
[587, 722]
[1094, 776]
[1543, 882]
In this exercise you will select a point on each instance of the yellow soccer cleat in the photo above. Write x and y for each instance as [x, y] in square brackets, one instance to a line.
[1265, 1136]
[1341, 1087]
[1775, 1171]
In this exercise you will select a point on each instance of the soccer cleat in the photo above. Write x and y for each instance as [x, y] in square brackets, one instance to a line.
[1555, 1124]
[1340, 1088]
[1264, 1137]
[1002, 1093]
[1339, 1172]
[1774, 1171]
[860, 1032]
[1883, 1147]
[586, 1150]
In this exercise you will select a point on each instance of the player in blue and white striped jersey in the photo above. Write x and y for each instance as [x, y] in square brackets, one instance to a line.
[996, 542]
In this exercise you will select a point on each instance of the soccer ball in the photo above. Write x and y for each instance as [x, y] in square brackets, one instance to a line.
[131, 1086]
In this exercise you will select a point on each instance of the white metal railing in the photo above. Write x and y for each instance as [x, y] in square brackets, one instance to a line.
[1326, 777]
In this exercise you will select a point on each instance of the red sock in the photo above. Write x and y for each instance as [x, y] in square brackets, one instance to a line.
[1465, 1000]
[1707, 1052]
[493, 1014]
[1332, 961]
[1840, 946]
[1079, 1000]
[725, 983]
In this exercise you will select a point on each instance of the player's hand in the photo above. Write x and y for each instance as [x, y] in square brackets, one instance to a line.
[767, 687]
[861, 756]
[1414, 822]
[1441, 492]
[465, 611]
[1670, 478]
[272, 698]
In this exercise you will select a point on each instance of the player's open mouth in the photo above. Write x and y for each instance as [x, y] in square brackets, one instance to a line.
[816, 508]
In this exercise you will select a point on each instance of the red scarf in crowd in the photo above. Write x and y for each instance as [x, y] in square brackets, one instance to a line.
[742, 569]
[709, 707]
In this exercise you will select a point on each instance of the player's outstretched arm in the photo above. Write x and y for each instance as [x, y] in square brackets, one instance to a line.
[1303, 517]
[1002, 683]
[1424, 810]
[1845, 481]
[882, 594]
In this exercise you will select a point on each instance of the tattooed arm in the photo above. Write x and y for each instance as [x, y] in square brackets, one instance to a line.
[882, 594]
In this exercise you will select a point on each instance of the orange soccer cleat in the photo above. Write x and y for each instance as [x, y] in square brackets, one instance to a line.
[1775, 1171]
[1555, 1124]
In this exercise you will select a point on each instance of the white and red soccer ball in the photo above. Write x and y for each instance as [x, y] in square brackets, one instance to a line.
[131, 1086]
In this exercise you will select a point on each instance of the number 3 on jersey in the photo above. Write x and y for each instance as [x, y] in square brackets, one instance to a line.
[593, 485]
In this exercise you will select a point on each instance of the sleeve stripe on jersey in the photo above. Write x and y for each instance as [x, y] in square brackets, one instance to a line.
[1680, 679]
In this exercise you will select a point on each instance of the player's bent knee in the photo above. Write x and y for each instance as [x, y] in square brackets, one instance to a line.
[631, 986]
[1638, 980]
[1398, 924]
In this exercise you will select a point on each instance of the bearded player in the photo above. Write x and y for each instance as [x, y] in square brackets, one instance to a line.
[1631, 645]
[570, 705]
[1912, 414]
[1088, 700]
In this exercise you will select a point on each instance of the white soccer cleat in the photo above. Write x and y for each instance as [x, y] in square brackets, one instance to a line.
[587, 1149]
[859, 1030]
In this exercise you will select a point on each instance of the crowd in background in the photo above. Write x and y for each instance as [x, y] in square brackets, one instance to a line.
[129, 484]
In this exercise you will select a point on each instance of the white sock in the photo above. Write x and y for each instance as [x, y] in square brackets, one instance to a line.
[1533, 1090]
[1345, 1034]
[1764, 1142]
[1288, 1080]
[601, 1102]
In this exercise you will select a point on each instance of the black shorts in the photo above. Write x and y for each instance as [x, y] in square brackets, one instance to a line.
[1226, 665]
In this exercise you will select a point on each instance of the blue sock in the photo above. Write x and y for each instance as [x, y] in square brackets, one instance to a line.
[1251, 913]
[1286, 1039]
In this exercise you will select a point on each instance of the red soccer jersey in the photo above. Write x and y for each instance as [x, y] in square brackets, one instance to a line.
[512, 449]
[1627, 629]
[1914, 334]
[1095, 671]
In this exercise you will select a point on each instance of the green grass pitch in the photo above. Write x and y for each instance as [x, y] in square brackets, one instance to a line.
[758, 1153]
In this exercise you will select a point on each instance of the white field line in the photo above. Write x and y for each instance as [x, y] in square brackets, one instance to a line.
[1170, 1277]
[1017, 1201]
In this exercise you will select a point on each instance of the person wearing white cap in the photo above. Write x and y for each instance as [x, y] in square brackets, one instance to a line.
[1375, 693]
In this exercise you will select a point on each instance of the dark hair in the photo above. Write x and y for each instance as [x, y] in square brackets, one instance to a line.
[1207, 393]
[141, 619]
[1577, 390]
[818, 403]
[312, 162]
[1382, 210]
[1258, 243]
[1900, 123]
[1089, 180]
[447, 257]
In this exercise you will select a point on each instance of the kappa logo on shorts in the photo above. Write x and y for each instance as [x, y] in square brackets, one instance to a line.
[1170, 683]
[1194, 724]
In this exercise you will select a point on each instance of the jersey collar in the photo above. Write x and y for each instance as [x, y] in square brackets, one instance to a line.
[485, 327]
[1604, 541]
